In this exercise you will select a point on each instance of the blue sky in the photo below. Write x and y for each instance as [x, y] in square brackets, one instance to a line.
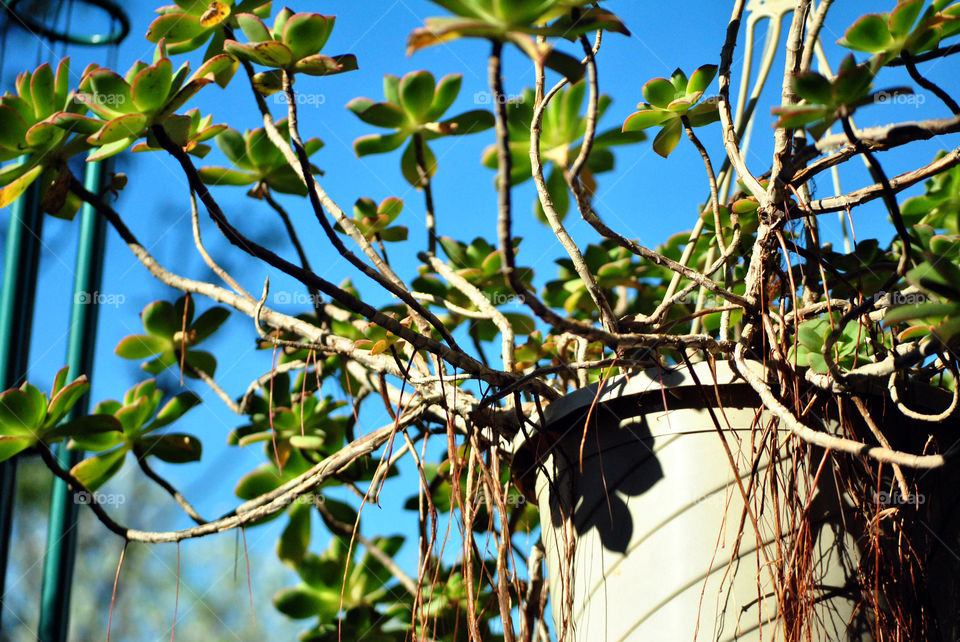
[647, 197]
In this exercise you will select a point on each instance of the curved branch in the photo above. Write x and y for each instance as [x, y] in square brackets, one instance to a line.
[607, 318]
[897, 184]
[219, 271]
[167, 486]
[295, 240]
[453, 355]
[723, 103]
[825, 440]
[385, 277]
[929, 85]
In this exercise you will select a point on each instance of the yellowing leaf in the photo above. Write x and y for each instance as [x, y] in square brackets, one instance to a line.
[12, 192]
[215, 14]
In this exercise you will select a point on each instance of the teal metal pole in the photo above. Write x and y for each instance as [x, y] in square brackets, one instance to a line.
[62, 531]
[16, 320]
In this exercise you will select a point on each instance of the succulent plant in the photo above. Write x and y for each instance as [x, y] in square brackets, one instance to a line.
[516, 22]
[293, 44]
[852, 347]
[939, 206]
[29, 132]
[669, 100]
[284, 421]
[414, 106]
[612, 266]
[257, 161]
[363, 581]
[373, 221]
[189, 24]
[888, 34]
[126, 107]
[823, 100]
[171, 334]
[137, 419]
[562, 132]
[29, 417]
[934, 306]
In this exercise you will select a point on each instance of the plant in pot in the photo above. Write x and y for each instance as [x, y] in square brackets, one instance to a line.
[743, 432]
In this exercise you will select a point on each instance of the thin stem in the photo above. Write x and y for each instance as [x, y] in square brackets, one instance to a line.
[823, 439]
[933, 54]
[607, 318]
[504, 167]
[304, 262]
[424, 176]
[889, 196]
[198, 242]
[712, 179]
[897, 184]
[478, 298]
[723, 102]
[167, 486]
[220, 392]
[452, 353]
[248, 307]
[375, 551]
[393, 285]
[504, 224]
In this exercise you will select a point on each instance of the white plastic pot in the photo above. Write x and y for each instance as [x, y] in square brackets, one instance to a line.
[642, 541]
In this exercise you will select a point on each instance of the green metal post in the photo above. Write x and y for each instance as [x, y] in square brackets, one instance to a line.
[62, 531]
[16, 321]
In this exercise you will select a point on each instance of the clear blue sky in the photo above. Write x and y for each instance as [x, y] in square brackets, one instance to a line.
[647, 198]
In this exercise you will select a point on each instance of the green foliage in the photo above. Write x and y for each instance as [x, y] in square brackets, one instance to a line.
[668, 101]
[29, 130]
[28, 417]
[824, 101]
[515, 22]
[171, 334]
[936, 309]
[373, 221]
[364, 581]
[286, 421]
[293, 45]
[939, 207]
[125, 108]
[907, 28]
[299, 421]
[854, 347]
[413, 108]
[257, 161]
[189, 24]
[137, 418]
[379, 340]
[562, 132]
